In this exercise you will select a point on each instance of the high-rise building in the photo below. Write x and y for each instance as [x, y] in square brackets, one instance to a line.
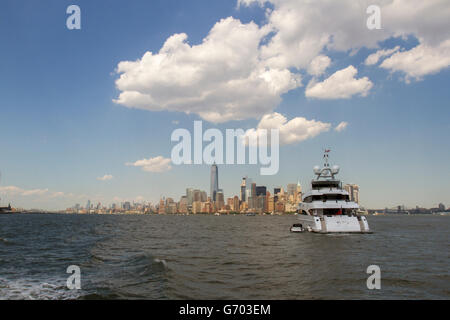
[279, 207]
[251, 196]
[190, 196]
[214, 182]
[207, 207]
[253, 189]
[196, 207]
[260, 203]
[353, 191]
[171, 208]
[220, 201]
[299, 192]
[182, 206]
[162, 207]
[127, 206]
[260, 191]
[236, 204]
[197, 195]
[291, 189]
[276, 191]
[248, 189]
[270, 204]
[243, 188]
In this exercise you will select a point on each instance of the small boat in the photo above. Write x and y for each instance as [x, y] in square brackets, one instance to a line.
[297, 227]
[6, 210]
[251, 214]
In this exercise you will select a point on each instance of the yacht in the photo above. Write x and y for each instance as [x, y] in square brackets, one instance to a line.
[327, 208]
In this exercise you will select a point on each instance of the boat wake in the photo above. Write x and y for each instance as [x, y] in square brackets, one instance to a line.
[33, 289]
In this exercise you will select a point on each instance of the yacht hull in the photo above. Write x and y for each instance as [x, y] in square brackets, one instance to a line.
[335, 224]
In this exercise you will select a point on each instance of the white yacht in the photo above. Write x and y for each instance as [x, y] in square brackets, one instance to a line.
[327, 208]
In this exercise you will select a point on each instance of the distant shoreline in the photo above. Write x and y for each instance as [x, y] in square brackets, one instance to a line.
[202, 214]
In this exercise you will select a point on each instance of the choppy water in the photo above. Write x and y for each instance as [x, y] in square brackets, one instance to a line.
[219, 257]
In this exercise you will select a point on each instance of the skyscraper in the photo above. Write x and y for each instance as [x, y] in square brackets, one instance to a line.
[190, 196]
[353, 190]
[243, 188]
[291, 189]
[197, 195]
[261, 190]
[214, 182]
[220, 202]
[276, 191]
[299, 192]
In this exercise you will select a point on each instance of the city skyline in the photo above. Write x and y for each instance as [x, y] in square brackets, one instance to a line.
[253, 199]
[88, 114]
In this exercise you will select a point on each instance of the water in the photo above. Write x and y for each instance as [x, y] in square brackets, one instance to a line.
[219, 257]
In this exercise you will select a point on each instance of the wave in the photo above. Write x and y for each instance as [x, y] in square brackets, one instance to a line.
[33, 289]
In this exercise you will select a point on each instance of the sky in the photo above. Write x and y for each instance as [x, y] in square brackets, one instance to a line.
[88, 113]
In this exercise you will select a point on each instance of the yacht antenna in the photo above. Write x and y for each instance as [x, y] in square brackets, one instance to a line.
[325, 157]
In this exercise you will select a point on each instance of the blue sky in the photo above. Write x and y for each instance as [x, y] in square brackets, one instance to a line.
[60, 129]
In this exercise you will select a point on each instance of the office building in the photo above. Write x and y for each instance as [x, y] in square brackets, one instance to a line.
[214, 188]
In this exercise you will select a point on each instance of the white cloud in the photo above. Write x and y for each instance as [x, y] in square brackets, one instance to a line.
[221, 79]
[420, 61]
[293, 131]
[375, 57]
[241, 70]
[303, 28]
[340, 85]
[58, 194]
[17, 191]
[156, 164]
[341, 126]
[106, 177]
[10, 190]
[318, 65]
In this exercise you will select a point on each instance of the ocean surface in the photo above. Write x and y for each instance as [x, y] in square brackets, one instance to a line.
[219, 257]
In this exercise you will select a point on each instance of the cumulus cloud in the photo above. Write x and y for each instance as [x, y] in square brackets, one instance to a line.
[221, 79]
[293, 131]
[341, 126]
[156, 164]
[318, 65]
[304, 28]
[241, 70]
[340, 85]
[106, 177]
[375, 57]
[420, 61]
